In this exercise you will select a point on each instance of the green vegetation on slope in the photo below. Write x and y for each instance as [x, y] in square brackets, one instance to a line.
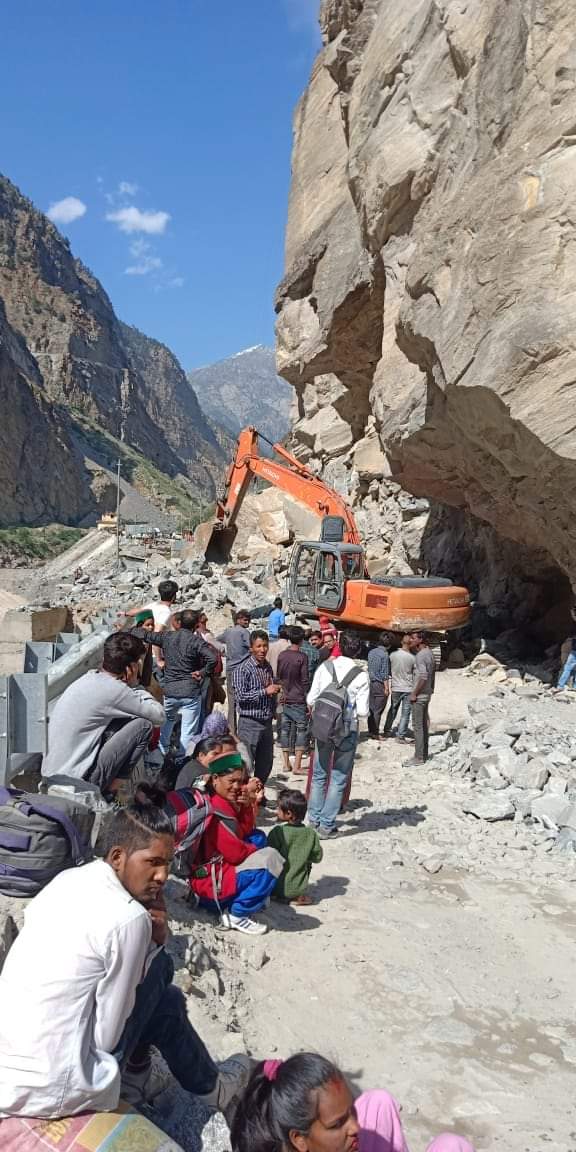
[36, 543]
[172, 496]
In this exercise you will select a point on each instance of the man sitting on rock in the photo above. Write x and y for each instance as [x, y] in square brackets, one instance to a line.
[102, 724]
[86, 991]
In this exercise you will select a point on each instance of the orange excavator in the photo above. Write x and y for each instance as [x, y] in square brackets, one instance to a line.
[329, 576]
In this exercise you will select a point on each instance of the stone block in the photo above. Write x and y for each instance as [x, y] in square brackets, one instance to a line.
[38, 624]
[369, 459]
[496, 738]
[490, 806]
[523, 799]
[534, 774]
[556, 786]
[551, 810]
[274, 527]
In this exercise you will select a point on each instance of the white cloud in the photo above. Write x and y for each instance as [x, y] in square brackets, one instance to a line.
[132, 219]
[66, 210]
[139, 248]
[177, 282]
[146, 265]
[126, 188]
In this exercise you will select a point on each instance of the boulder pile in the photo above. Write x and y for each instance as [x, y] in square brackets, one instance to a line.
[518, 750]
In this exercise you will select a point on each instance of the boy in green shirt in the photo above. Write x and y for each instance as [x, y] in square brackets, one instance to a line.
[300, 846]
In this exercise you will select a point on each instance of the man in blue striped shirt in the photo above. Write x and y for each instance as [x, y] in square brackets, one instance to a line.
[255, 693]
[379, 676]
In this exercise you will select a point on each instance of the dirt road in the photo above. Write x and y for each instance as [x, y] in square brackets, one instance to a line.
[453, 988]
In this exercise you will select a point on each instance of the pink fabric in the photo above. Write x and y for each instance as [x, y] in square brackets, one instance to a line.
[271, 1068]
[449, 1142]
[381, 1127]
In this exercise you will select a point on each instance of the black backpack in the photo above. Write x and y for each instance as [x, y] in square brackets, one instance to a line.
[40, 837]
[329, 715]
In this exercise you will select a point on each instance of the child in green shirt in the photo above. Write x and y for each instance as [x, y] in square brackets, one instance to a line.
[300, 846]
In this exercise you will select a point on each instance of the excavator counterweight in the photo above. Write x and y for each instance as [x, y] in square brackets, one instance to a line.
[329, 576]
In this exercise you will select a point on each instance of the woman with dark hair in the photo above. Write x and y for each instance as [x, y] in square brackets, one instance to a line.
[305, 1104]
[235, 872]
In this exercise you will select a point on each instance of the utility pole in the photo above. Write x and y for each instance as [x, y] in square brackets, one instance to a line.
[118, 514]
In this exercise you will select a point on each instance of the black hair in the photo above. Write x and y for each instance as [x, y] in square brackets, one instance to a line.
[120, 650]
[386, 640]
[284, 632]
[271, 1109]
[167, 590]
[296, 634]
[140, 822]
[227, 739]
[189, 619]
[177, 616]
[423, 637]
[209, 744]
[258, 634]
[350, 645]
[278, 602]
[293, 802]
[241, 612]
[315, 632]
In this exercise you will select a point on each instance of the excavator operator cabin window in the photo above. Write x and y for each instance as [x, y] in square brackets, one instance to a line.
[352, 565]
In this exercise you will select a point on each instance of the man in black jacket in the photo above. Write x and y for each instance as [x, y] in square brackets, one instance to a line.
[188, 660]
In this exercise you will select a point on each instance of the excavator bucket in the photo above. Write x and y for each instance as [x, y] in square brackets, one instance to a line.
[214, 541]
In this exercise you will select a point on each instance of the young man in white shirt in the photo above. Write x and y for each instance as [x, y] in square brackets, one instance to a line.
[163, 607]
[86, 987]
[337, 761]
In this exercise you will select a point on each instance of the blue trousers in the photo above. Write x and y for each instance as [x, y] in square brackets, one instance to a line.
[568, 671]
[252, 892]
[159, 1018]
[324, 806]
[191, 710]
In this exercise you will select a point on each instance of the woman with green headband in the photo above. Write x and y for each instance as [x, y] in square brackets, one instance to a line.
[234, 873]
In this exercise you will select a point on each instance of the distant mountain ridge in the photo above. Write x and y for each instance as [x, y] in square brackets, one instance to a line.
[66, 358]
[245, 389]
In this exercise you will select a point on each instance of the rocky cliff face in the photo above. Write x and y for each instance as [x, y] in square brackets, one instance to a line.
[245, 390]
[83, 361]
[426, 315]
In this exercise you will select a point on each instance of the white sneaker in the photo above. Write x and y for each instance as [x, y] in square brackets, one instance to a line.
[233, 1077]
[246, 925]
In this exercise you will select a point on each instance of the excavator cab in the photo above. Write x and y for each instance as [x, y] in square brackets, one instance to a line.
[319, 573]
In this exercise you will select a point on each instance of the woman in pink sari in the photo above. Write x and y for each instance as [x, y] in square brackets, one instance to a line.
[304, 1104]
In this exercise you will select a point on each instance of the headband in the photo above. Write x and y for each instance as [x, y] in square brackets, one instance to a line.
[142, 616]
[272, 1068]
[223, 765]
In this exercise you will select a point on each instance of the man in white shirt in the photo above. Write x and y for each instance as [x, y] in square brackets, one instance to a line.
[163, 607]
[335, 762]
[86, 987]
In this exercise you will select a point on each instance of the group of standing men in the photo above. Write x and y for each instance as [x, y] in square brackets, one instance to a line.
[402, 680]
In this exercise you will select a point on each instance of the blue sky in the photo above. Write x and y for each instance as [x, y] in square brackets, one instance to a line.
[165, 127]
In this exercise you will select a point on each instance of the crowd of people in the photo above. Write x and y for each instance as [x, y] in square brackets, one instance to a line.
[98, 992]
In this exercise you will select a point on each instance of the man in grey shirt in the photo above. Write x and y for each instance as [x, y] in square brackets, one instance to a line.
[102, 724]
[424, 682]
[402, 682]
[237, 641]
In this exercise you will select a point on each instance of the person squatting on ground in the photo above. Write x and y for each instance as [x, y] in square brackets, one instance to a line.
[234, 871]
[188, 660]
[334, 762]
[304, 1104]
[86, 990]
[424, 683]
[402, 662]
[102, 724]
[294, 680]
[236, 641]
[379, 676]
[298, 845]
[256, 694]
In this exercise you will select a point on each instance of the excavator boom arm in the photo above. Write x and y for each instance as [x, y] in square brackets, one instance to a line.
[291, 477]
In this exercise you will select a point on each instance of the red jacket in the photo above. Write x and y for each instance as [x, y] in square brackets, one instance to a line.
[221, 849]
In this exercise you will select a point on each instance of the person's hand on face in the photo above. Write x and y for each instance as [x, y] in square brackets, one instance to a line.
[253, 790]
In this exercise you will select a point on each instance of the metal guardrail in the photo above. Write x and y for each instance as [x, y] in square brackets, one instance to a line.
[27, 698]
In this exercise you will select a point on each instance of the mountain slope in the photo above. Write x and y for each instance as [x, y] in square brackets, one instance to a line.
[85, 363]
[245, 389]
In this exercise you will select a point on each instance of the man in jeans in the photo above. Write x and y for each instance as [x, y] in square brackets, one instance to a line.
[294, 681]
[86, 989]
[237, 642]
[256, 693]
[402, 683]
[330, 761]
[188, 659]
[424, 681]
